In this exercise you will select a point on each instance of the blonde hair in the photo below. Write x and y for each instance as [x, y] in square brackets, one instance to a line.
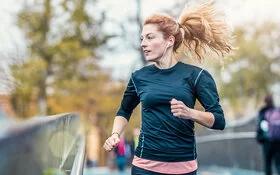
[199, 28]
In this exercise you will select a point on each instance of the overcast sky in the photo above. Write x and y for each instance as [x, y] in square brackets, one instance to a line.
[237, 12]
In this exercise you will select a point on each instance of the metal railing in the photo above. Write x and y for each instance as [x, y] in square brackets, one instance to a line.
[235, 147]
[43, 145]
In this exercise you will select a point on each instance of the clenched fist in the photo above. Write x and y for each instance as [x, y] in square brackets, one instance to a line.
[112, 142]
[180, 110]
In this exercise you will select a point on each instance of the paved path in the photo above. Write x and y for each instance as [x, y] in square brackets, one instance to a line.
[202, 171]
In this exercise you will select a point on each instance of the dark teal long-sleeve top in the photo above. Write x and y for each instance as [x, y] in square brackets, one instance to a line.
[164, 137]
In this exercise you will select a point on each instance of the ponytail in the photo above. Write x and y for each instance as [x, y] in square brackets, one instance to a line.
[203, 29]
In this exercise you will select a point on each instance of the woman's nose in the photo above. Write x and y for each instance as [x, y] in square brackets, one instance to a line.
[143, 43]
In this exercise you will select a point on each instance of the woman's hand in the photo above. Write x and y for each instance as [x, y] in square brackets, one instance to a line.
[179, 109]
[112, 142]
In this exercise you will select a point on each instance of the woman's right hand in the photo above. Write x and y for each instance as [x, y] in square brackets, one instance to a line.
[111, 142]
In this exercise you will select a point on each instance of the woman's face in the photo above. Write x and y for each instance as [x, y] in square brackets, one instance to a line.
[153, 43]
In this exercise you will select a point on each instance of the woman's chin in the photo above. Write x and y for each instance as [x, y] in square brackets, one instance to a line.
[149, 59]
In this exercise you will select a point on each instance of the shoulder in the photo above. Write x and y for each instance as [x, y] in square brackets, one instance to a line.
[204, 78]
[190, 68]
[197, 73]
[189, 71]
[206, 74]
[142, 71]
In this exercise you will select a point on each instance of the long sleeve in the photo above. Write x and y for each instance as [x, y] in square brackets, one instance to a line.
[207, 95]
[130, 100]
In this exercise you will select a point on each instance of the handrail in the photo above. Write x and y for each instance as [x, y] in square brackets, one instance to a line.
[226, 136]
[236, 146]
[77, 168]
[41, 145]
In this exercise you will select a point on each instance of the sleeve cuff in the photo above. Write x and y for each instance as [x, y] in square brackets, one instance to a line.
[219, 122]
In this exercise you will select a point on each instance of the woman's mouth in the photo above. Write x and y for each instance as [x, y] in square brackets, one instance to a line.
[146, 52]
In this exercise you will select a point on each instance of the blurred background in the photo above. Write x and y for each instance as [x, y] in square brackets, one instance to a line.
[64, 56]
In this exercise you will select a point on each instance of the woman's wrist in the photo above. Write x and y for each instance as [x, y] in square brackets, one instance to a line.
[193, 114]
[116, 133]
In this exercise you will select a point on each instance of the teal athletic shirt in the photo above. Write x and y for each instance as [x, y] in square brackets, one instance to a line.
[164, 137]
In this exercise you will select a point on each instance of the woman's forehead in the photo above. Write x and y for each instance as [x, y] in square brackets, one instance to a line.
[150, 29]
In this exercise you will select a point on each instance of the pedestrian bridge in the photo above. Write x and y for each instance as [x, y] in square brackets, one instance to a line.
[55, 145]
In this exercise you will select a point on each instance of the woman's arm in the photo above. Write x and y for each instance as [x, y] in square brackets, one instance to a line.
[119, 125]
[129, 102]
[206, 119]
[207, 94]
[118, 128]
[179, 109]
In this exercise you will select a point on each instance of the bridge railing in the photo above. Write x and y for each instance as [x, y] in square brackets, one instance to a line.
[235, 147]
[43, 145]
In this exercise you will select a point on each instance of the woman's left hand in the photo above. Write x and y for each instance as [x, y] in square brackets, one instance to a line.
[179, 109]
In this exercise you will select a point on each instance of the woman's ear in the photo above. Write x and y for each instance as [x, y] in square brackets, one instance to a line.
[171, 41]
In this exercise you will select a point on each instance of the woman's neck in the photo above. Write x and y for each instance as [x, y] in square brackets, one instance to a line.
[166, 63]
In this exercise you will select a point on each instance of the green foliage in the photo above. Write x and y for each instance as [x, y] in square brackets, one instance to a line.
[27, 76]
[62, 40]
[251, 72]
